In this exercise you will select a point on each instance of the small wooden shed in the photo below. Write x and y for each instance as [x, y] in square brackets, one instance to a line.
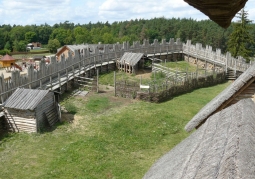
[31, 110]
[129, 62]
[7, 61]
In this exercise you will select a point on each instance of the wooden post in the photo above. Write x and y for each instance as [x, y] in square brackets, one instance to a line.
[51, 82]
[97, 81]
[235, 68]
[73, 71]
[59, 82]
[196, 73]
[40, 84]
[114, 78]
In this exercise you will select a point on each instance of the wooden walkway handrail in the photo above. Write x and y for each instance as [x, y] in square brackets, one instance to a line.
[58, 72]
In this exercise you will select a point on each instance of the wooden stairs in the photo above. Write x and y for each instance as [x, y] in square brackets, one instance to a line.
[231, 75]
[89, 83]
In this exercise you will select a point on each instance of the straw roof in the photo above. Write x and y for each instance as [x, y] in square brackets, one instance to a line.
[224, 147]
[223, 98]
[7, 58]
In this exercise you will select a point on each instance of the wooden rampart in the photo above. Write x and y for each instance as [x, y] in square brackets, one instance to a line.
[56, 74]
[215, 57]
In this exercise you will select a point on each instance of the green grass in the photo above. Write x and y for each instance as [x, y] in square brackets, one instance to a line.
[108, 139]
[180, 66]
[108, 78]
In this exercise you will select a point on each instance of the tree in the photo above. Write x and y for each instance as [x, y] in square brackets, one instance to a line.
[19, 46]
[53, 45]
[7, 46]
[241, 37]
[30, 36]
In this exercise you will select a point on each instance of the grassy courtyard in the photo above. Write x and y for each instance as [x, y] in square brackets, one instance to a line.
[102, 137]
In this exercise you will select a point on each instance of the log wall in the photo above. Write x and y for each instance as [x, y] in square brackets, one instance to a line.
[20, 120]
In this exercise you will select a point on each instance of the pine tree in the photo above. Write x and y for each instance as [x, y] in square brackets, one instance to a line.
[241, 38]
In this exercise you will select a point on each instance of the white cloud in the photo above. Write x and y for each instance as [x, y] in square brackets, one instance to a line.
[23, 12]
[125, 10]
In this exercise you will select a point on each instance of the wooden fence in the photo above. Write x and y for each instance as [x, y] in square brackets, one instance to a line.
[175, 83]
[54, 75]
[215, 57]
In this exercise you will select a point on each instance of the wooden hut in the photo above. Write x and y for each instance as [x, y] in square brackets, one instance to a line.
[30, 110]
[129, 62]
[223, 147]
[242, 87]
[7, 61]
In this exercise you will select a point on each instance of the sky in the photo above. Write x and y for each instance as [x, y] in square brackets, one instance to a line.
[28, 12]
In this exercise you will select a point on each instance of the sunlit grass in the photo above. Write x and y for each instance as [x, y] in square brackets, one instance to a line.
[107, 139]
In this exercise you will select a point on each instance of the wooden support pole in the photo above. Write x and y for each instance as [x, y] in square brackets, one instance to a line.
[97, 81]
[59, 82]
[51, 82]
[114, 78]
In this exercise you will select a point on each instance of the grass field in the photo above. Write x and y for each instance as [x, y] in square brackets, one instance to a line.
[103, 137]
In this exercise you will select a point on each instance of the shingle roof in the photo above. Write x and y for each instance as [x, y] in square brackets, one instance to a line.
[7, 58]
[224, 147]
[225, 95]
[131, 58]
[25, 99]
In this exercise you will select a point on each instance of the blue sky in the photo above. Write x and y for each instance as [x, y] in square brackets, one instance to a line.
[27, 12]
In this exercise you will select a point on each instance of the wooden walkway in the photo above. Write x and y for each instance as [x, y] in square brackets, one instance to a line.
[55, 75]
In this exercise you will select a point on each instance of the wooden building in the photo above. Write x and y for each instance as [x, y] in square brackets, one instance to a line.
[31, 110]
[242, 87]
[7, 61]
[222, 148]
[130, 62]
[70, 49]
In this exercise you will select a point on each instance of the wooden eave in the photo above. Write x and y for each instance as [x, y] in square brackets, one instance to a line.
[228, 102]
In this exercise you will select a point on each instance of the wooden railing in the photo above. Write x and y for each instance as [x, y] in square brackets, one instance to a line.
[58, 72]
[215, 57]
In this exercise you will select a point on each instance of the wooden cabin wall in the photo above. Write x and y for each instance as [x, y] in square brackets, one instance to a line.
[46, 112]
[20, 120]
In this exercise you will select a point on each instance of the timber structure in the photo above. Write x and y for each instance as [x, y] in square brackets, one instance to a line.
[223, 147]
[59, 74]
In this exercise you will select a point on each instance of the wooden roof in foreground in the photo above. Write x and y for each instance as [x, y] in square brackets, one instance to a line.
[223, 99]
[224, 147]
[220, 11]
[25, 99]
[131, 58]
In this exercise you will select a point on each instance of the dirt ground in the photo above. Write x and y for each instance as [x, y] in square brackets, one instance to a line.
[9, 73]
[146, 74]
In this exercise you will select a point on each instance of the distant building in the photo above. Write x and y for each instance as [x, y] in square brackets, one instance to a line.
[65, 50]
[34, 45]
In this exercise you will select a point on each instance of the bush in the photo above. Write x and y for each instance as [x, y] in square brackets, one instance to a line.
[71, 108]
[5, 51]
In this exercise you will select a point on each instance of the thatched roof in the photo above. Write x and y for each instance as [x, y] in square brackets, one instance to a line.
[224, 147]
[25, 99]
[222, 99]
[221, 12]
[131, 58]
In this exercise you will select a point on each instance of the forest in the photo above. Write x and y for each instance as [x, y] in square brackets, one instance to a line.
[14, 38]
